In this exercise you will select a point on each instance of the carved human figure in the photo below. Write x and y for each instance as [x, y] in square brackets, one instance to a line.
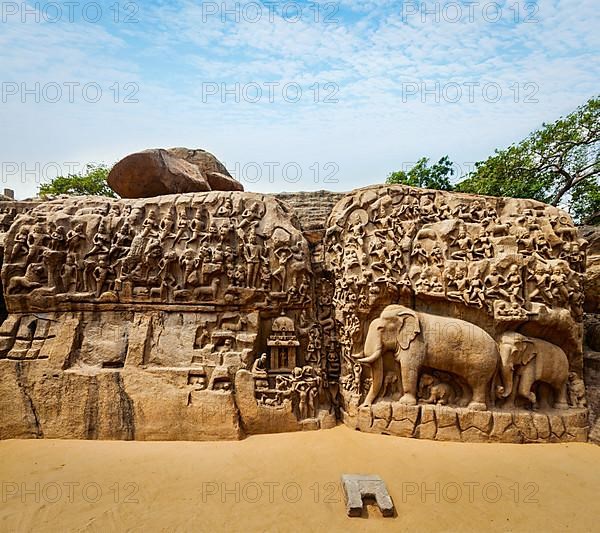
[74, 238]
[457, 285]
[198, 226]
[313, 401]
[541, 247]
[558, 286]
[167, 227]
[283, 255]
[540, 282]
[464, 243]
[150, 224]
[226, 209]
[121, 243]
[100, 242]
[36, 242]
[69, 274]
[259, 367]
[252, 255]
[576, 255]
[494, 283]
[419, 254]
[20, 246]
[239, 276]
[57, 239]
[513, 284]
[189, 263]
[100, 274]
[356, 374]
[182, 228]
[302, 389]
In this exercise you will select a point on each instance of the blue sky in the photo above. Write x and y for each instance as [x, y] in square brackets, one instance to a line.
[290, 95]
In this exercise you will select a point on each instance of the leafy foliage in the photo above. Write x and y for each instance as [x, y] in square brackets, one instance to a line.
[436, 176]
[558, 164]
[92, 181]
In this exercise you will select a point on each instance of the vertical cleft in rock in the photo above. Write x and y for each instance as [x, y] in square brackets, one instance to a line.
[91, 410]
[28, 402]
[126, 409]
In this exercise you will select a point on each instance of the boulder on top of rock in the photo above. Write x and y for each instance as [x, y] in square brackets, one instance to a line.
[162, 171]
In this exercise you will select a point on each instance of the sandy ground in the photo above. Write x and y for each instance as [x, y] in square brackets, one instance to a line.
[290, 482]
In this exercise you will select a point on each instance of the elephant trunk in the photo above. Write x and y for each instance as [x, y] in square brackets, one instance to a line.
[506, 374]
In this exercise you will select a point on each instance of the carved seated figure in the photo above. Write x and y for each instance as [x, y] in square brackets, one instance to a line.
[259, 367]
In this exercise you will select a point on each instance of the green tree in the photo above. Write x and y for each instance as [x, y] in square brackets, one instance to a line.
[92, 181]
[436, 176]
[558, 164]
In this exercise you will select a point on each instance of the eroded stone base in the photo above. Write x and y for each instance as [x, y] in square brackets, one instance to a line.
[462, 424]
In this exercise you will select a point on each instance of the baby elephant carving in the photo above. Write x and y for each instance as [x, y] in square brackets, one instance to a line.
[439, 392]
[529, 360]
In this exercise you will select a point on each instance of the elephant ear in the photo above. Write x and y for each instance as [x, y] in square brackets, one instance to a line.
[409, 328]
[527, 352]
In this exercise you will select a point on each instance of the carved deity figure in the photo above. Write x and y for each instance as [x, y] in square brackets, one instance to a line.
[252, 255]
[75, 237]
[68, 274]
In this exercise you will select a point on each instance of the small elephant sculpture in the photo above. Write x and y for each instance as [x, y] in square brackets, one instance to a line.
[419, 339]
[439, 392]
[529, 360]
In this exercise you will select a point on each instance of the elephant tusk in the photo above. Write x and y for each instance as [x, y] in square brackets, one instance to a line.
[371, 359]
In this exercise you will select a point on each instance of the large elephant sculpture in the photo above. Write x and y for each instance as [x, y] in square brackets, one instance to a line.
[419, 339]
[527, 360]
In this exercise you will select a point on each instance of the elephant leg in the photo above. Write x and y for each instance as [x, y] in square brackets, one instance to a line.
[465, 395]
[479, 400]
[525, 384]
[409, 383]
[560, 393]
[376, 381]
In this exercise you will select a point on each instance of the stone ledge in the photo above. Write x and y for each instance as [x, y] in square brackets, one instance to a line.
[467, 425]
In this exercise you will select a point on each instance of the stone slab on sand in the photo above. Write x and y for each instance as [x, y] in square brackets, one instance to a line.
[291, 482]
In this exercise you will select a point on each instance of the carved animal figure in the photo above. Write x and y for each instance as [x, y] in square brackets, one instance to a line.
[439, 392]
[31, 280]
[211, 290]
[529, 360]
[420, 339]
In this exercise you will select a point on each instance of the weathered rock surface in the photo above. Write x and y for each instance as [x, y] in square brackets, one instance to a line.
[157, 172]
[592, 328]
[454, 287]
[213, 315]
